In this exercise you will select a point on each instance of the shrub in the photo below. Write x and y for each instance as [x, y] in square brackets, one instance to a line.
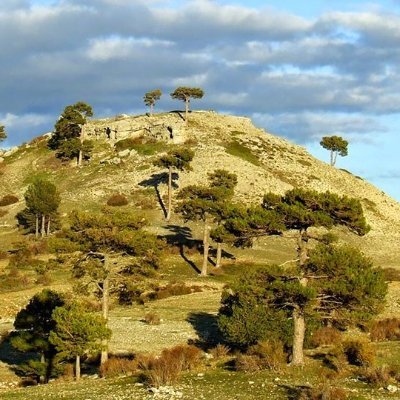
[166, 369]
[117, 200]
[359, 352]
[3, 213]
[62, 245]
[321, 393]
[174, 289]
[380, 376]
[326, 336]
[385, 329]
[391, 274]
[247, 363]
[8, 199]
[270, 354]
[116, 366]
[152, 318]
[220, 351]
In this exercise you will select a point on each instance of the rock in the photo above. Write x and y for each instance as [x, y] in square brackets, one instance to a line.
[392, 388]
[1, 159]
[10, 152]
[124, 153]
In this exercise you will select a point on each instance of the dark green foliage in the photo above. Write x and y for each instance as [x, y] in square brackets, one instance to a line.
[150, 98]
[186, 93]
[42, 201]
[178, 158]
[33, 325]
[69, 149]
[302, 209]
[336, 145]
[3, 134]
[69, 125]
[352, 291]
[249, 309]
[77, 331]
[238, 149]
[8, 199]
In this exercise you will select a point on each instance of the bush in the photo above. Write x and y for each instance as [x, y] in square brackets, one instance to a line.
[8, 199]
[62, 245]
[380, 376]
[359, 352]
[152, 318]
[116, 366]
[166, 369]
[247, 363]
[219, 351]
[270, 354]
[385, 329]
[326, 336]
[174, 289]
[321, 393]
[117, 200]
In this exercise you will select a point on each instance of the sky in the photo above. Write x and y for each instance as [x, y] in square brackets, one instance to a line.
[300, 69]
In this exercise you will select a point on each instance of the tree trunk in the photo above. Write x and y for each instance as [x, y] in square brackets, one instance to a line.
[187, 102]
[78, 368]
[332, 162]
[104, 308]
[299, 323]
[151, 109]
[169, 211]
[334, 158]
[37, 226]
[43, 228]
[80, 158]
[42, 378]
[48, 226]
[298, 337]
[206, 246]
[219, 255]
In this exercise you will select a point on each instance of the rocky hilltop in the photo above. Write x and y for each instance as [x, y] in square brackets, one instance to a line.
[263, 162]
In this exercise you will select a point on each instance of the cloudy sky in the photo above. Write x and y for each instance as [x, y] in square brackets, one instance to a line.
[299, 69]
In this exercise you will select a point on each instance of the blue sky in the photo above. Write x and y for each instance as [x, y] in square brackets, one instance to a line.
[299, 69]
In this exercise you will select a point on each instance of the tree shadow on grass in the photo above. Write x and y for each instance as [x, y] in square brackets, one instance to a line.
[181, 237]
[155, 180]
[206, 327]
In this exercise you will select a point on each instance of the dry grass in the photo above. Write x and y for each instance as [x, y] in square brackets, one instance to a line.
[385, 329]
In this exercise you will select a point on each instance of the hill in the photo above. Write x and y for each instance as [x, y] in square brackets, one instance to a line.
[262, 162]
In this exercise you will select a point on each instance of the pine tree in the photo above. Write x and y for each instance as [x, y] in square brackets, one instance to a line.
[77, 332]
[3, 134]
[68, 136]
[150, 99]
[336, 145]
[297, 210]
[33, 325]
[42, 202]
[184, 93]
[176, 159]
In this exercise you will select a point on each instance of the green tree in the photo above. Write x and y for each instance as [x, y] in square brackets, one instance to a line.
[336, 145]
[177, 159]
[185, 94]
[150, 99]
[3, 134]
[208, 204]
[297, 210]
[344, 289]
[70, 126]
[42, 201]
[103, 237]
[77, 332]
[33, 325]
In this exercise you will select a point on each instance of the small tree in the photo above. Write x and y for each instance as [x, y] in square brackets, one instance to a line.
[42, 201]
[184, 93]
[33, 325]
[69, 127]
[150, 99]
[176, 159]
[102, 236]
[336, 145]
[77, 332]
[3, 134]
[208, 204]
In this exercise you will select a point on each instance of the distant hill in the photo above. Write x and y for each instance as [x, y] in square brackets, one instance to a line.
[263, 162]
